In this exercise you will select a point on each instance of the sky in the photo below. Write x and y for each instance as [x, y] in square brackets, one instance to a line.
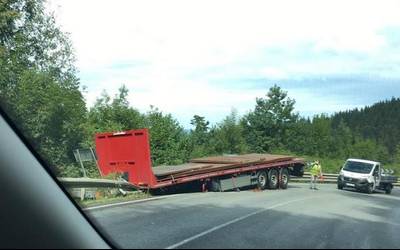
[208, 57]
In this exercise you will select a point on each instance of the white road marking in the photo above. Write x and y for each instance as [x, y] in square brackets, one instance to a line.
[128, 203]
[234, 221]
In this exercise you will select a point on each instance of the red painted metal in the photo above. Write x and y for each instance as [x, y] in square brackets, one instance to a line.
[128, 153]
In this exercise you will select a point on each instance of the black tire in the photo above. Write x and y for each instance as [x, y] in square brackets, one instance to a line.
[215, 185]
[370, 189]
[273, 179]
[388, 189]
[262, 180]
[284, 178]
[339, 184]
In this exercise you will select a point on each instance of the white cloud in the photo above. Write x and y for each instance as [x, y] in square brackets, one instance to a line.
[175, 39]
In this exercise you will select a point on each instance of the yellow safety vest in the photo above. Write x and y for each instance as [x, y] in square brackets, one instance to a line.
[316, 169]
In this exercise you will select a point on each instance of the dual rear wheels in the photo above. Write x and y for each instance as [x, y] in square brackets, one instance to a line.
[273, 179]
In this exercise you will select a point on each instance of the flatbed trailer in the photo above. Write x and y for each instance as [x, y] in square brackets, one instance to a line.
[128, 153]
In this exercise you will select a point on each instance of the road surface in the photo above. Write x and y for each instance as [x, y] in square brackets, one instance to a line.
[293, 218]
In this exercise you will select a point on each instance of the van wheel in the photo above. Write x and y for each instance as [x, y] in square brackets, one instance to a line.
[370, 189]
[284, 178]
[388, 189]
[273, 179]
[262, 180]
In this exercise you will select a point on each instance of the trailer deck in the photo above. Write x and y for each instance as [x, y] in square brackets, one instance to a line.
[217, 163]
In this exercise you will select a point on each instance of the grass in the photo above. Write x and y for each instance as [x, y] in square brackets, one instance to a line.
[329, 166]
[114, 199]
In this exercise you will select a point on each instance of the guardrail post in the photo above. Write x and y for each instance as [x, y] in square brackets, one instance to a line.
[83, 193]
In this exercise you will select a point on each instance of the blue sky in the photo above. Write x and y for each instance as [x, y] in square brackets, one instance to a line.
[207, 57]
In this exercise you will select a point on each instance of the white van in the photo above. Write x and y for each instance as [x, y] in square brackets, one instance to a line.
[364, 175]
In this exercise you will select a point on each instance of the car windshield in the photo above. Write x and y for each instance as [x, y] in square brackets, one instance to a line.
[172, 124]
[358, 167]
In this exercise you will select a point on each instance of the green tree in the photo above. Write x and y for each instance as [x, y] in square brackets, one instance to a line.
[397, 155]
[364, 149]
[267, 127]
[109, 115]
[343, 141]
[378, 122]
[30, 40]
[321, 136]
[201, 128]
[167, 138]
[227, 137]
[50, 116]
[199, 137]
[39, 88]
[300, 137]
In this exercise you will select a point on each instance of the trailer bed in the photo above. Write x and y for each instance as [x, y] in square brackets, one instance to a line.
[388, 179]
[217, 163]
[162, 171]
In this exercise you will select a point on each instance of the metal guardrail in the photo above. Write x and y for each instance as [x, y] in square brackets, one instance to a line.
[328, 178]
[95, 183]
[104, 183]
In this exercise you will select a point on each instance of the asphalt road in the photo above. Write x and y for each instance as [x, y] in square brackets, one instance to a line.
[293, 218]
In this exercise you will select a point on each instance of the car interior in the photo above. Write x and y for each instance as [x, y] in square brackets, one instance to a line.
[35, 211]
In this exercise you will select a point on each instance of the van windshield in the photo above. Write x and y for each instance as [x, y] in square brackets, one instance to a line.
[358, 167]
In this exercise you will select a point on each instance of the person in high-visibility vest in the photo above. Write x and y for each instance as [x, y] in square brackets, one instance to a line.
[316, 171]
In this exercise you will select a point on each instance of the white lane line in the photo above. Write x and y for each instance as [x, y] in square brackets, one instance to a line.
[127, 203]
[232, 222]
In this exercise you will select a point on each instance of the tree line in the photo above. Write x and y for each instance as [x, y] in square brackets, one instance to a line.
[40, 90]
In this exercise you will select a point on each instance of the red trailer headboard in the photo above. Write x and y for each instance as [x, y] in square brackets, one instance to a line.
[127, 153]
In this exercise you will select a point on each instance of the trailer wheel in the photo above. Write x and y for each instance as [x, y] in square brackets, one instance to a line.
[215, 185]
[273, 179]
[262, 180]
[388, 189]
[284, 178]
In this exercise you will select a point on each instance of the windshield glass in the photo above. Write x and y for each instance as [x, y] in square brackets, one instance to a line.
[131, 101]
[358, 167]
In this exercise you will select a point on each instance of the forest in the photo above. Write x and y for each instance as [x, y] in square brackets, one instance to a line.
[42, 93]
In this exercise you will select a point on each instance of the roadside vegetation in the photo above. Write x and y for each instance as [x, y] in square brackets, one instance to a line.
[103, 199]
[41, 91]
